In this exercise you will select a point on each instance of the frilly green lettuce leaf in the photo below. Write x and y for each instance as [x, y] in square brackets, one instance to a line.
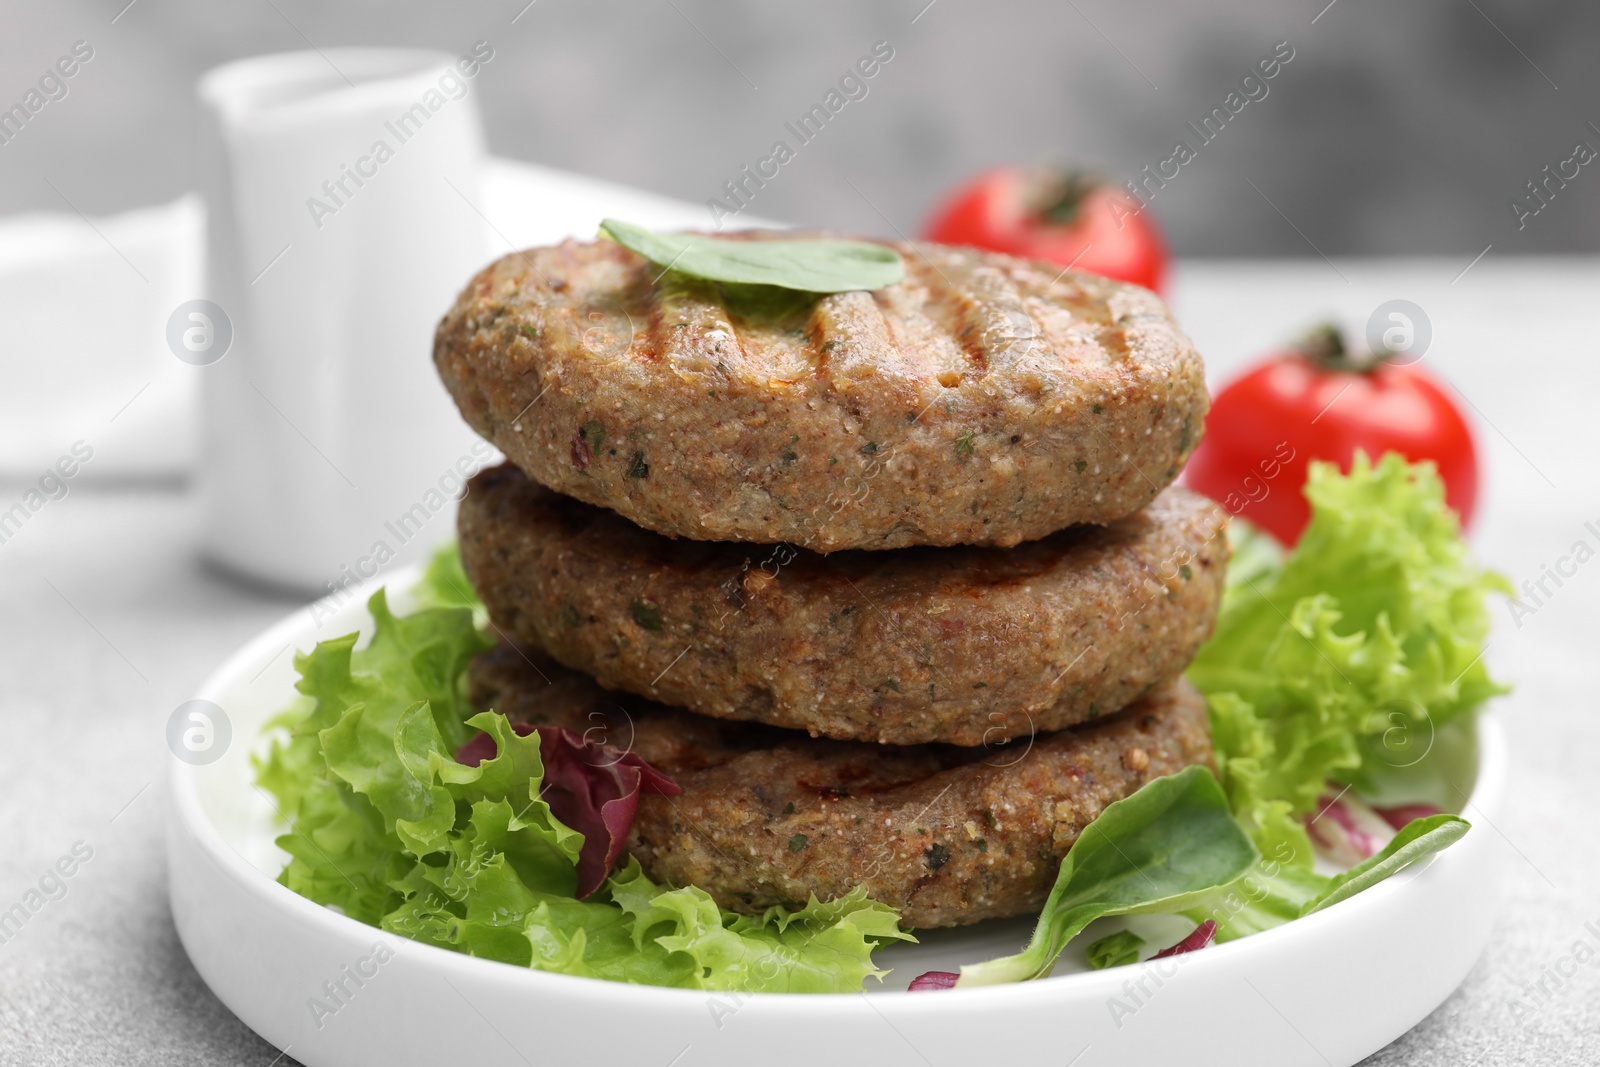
[343, 850]
[1367, 638]
[810, 950]
[1253, 554]
[445, 585]
[387, 827]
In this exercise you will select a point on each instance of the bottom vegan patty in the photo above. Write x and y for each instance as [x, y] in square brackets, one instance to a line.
[948, 835]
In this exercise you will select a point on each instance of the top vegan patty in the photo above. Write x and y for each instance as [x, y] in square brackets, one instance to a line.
[983, 400]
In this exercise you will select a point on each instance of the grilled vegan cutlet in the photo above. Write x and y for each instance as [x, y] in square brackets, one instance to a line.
[961, 645]
[983, 400]
[948, 835]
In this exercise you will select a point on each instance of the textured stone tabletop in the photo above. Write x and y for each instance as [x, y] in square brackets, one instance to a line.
[110, 621]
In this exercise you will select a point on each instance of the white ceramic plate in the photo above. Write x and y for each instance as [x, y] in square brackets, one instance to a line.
[1327, 990]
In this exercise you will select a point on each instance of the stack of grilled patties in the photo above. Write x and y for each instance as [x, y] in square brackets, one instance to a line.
[891, 583]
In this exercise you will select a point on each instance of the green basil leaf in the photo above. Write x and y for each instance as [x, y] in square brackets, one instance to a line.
[813, 265]
[1117, 950]
[1420, 838]
[1157, 851]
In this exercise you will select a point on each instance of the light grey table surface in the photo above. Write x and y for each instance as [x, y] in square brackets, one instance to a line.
[110, 621]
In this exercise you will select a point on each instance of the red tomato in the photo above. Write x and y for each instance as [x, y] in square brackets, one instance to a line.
[1318, 402]
[1068, 219]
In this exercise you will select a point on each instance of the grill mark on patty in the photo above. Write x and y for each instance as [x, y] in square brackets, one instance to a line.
[1087, 319]
[736, 349]
[645, 316]
[823, 342]
[695, 328]
[999, 330]
[910, 326]
[819, 347]
[862, 350]
[948, 307]
[654, 342]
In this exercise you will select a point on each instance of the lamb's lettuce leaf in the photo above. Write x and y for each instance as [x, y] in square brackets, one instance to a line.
[1155, 851]
[1271, 894]
[1419, 839]
[1114, 950]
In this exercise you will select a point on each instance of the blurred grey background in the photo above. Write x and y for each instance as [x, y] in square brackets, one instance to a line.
[1395, 129]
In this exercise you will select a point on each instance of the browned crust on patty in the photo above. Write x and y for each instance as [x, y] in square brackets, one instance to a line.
[949, 836]
[961, 645]
[983, 400]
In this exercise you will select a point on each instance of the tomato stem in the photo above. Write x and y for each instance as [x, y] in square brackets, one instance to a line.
[1324, 345]
[1069, 189]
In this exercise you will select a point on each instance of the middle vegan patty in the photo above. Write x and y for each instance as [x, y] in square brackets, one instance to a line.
[964, 645]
